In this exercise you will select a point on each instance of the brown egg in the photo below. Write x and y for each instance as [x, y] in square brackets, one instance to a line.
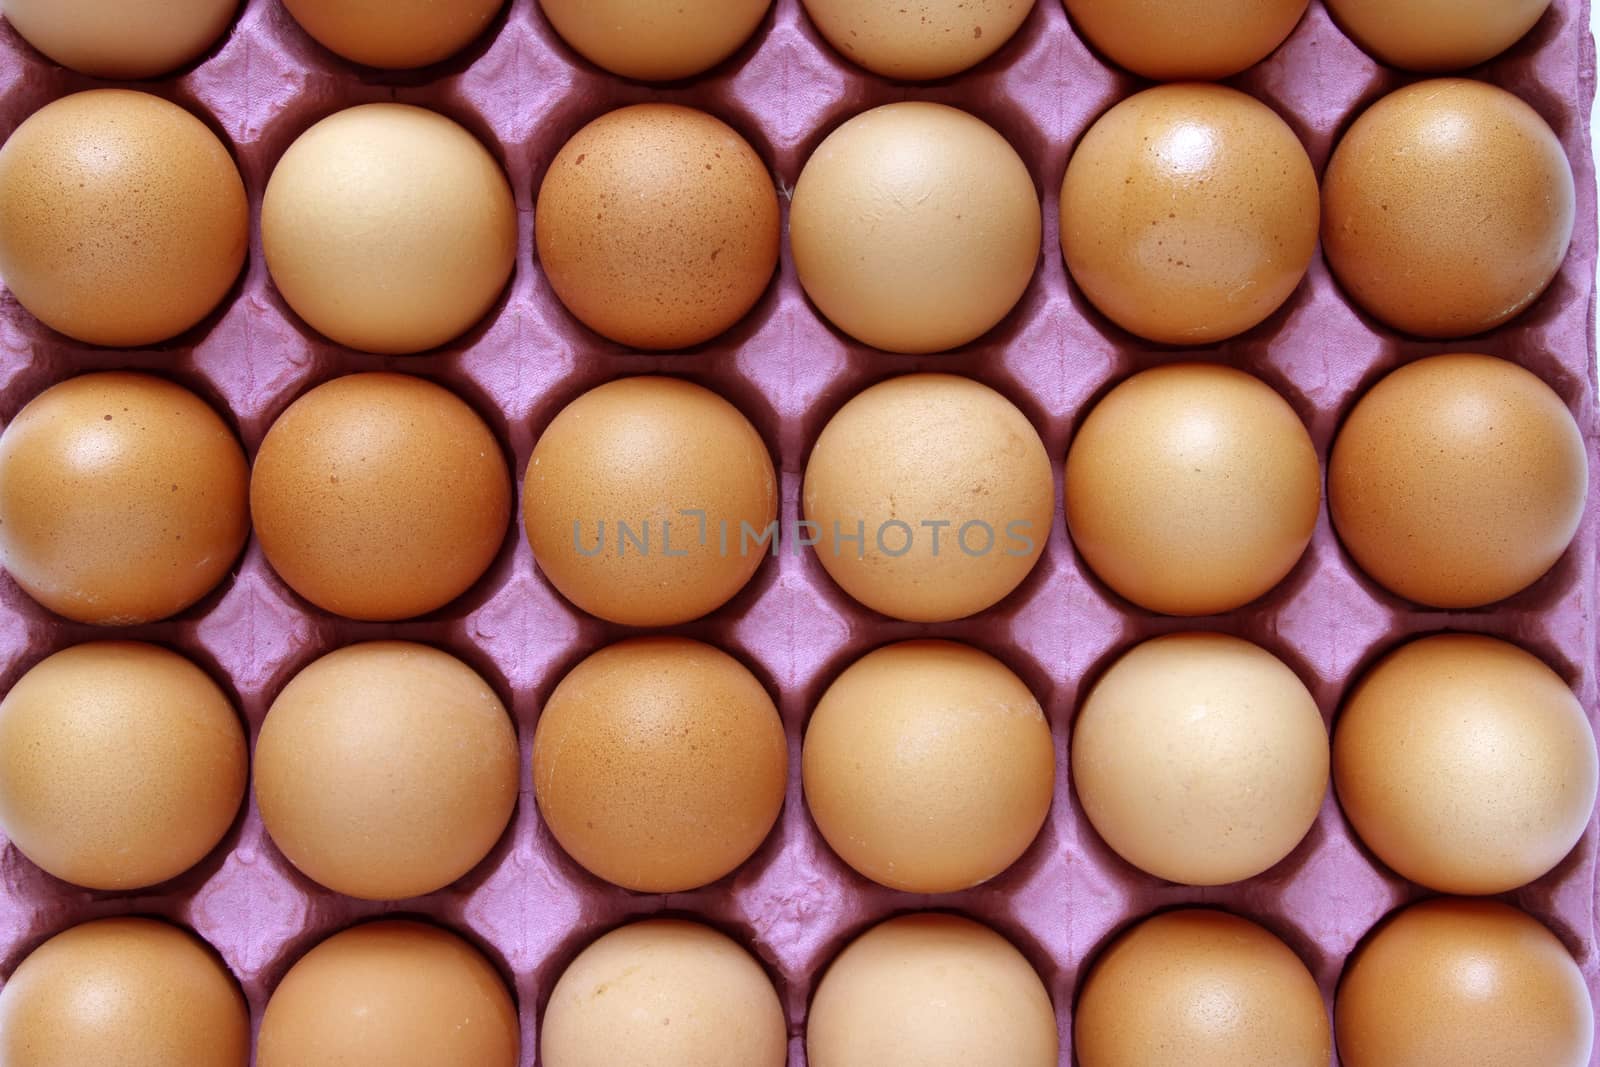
[122, 499]
[394, 34]
[655, 40]
[1192, 489]
[667, 993]
[1437, 35]
[1189, 213]
[380, 496]
[1447, 208]
[386, 770]
[931, 990]
[390, 994]
[1220, 988]
[389, 228]
[123, 219]
[130, 992]
[121, 39]
[657, 226]
[918, 40]
[659, 764]
[1200, 758]
[121, 765]
[645, 499]
[1458, 480]
[1449, 982]
[1466, 764]
[932, 497]
[1176, 40]
[929, 766]
[915, 227]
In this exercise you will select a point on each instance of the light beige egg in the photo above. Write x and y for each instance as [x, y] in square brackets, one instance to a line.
[123, 219]
[931, 990]
[1437, 35]
[390, 994]
[647, 501]
[389, 228]
[130, 992]
[932, 497]
[928, 766]
[1220, 988]
[386, 770]
[1180, 40]
[915, 227]
[668, 993]
[1466, 764]
[1449, 982]
[655, 40]
[1458, 480]
[122, 498]
[380, 496]
[917, 40]
[659, 764]
[1192, 489]
[121, 39]
[394, 34]
[1200, 758]
[1448, 207]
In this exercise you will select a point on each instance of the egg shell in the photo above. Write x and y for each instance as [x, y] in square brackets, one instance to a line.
[1220, 988]
[655, 40]
[380, 496]
[123, 219]
[928, 766]
[386, 770]
[917, 40]
[394, 34]
[390, 994]
[657, 226]
[1458, 480]
[1179, 40]
[659, 764]
[1448, 207]
[121, 39]
[1450, 981]
[1436, 35]
[668, 993]
[915, 227]
[122, 498]
[130, 992]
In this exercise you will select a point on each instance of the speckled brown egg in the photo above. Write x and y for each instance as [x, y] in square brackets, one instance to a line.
[918, 40]
[1218, 987]
[932, 496]
[668, 993]
[121, 765]
[386, 770]
[655, 40]
[120, 39]
[657, 226]
[1458, 480]
[130, 992]
[394, 34]
[1200, 758]
[659, 764]
[1449, 982]
[915, 227]
[1178, 40]
[123, 219]
[1465, 764]
[380, 496]
[1192, 489]
[1189, 213]
[1436, 35]
[1447, 208]
[931, 990]
[929, 766]
[393, 993]
[389, 228]
[645, 501]
[122, 498]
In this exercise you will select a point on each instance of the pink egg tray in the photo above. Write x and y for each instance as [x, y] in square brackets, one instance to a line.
[794, 904]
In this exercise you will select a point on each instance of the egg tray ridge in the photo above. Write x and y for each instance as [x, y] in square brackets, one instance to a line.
[794, 903]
